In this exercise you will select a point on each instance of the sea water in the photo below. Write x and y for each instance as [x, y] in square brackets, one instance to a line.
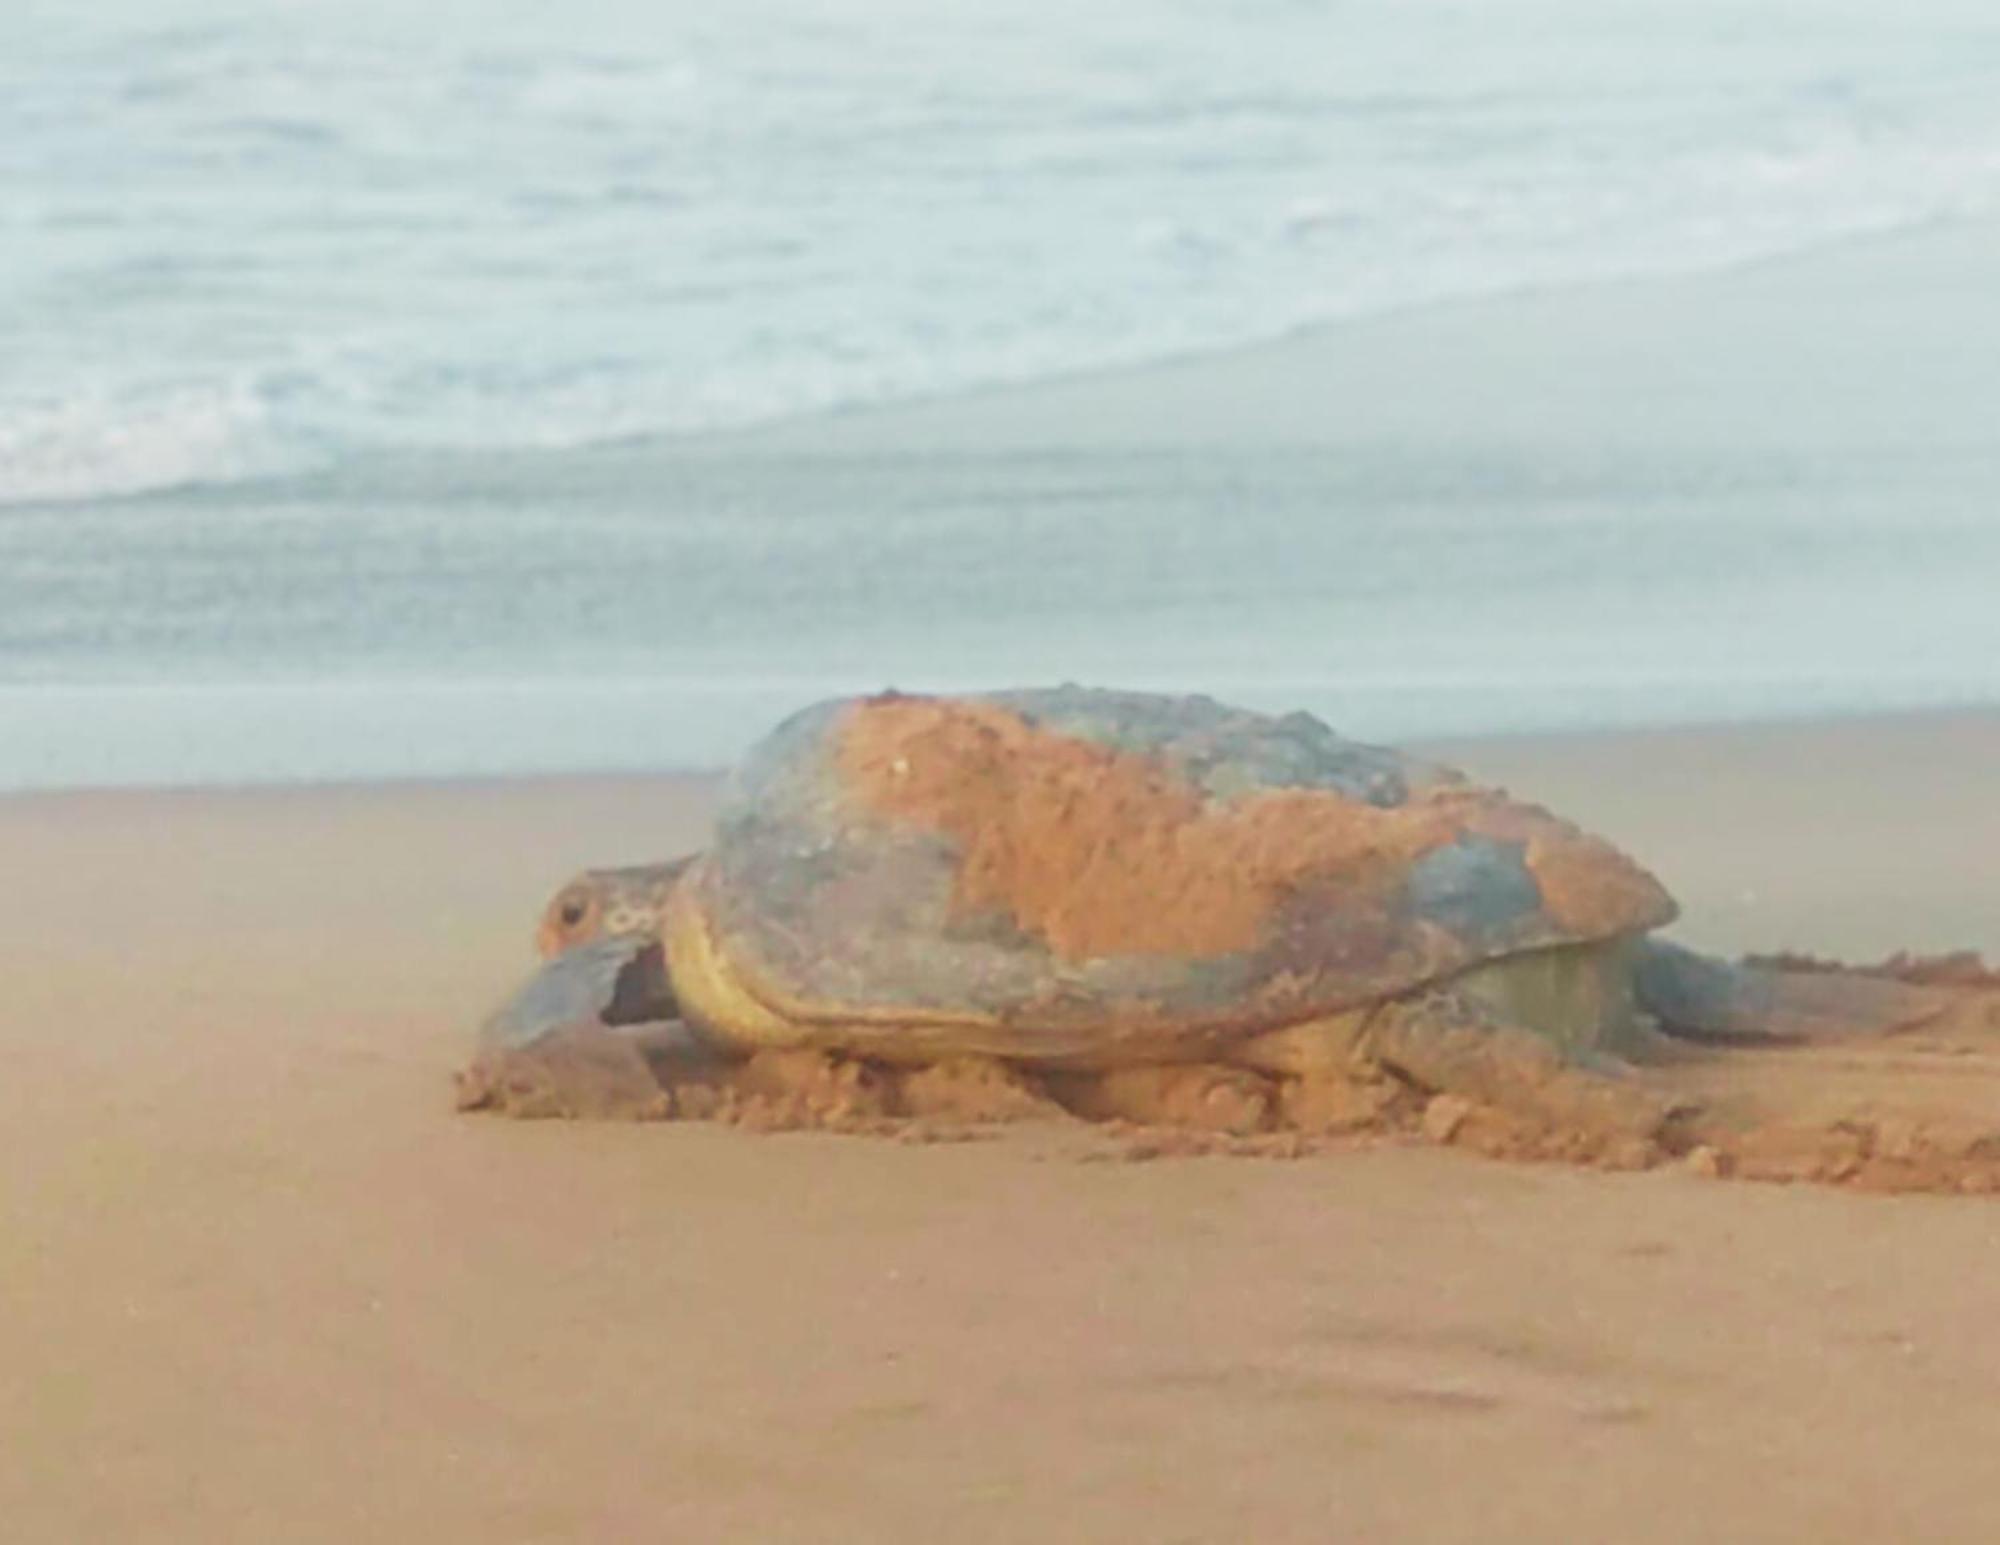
[373, 376]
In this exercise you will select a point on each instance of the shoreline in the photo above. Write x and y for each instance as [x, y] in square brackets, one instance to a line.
[621, 771]
[1716, 807]
[1450, 744]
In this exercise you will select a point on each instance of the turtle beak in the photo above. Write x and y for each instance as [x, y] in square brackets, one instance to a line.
[616, 981]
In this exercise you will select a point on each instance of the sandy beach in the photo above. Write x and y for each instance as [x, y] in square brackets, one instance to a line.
[260, 1282]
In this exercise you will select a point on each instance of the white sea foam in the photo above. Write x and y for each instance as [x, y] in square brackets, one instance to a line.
[96, 445]
[76, 736]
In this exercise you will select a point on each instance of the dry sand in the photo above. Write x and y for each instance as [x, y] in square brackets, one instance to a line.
[257, 1282]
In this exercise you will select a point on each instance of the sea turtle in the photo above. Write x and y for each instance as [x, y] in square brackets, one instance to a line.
[1093, 886]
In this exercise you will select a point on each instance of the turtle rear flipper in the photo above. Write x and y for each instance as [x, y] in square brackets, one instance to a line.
[1918, 1111]
[1706, 999]
[1810, 1071]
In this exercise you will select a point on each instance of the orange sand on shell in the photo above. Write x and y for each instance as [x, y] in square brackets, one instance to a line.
[1108, 852]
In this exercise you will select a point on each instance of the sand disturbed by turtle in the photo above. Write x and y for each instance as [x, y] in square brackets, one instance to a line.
[1236, 929]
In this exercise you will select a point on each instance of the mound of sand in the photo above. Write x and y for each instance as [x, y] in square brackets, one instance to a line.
[1913, 1112]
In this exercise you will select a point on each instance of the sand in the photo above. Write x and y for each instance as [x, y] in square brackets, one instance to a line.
[258, 1281]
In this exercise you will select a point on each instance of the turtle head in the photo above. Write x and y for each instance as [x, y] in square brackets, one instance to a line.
[608, 904]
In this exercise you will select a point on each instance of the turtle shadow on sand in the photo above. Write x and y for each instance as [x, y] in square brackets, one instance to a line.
[1227, 930]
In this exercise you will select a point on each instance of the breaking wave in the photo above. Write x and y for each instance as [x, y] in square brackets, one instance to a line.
[274, 241]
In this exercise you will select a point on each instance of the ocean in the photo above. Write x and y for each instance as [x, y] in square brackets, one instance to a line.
[409, 391]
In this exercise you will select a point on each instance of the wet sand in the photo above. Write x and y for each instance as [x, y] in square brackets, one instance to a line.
[259, 1282]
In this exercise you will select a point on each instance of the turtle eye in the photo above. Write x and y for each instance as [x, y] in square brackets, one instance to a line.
[572, 913]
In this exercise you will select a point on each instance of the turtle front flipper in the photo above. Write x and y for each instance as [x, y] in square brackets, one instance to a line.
[1704, 998]
[580, 1071]
[612, 981]
[575, 1039]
